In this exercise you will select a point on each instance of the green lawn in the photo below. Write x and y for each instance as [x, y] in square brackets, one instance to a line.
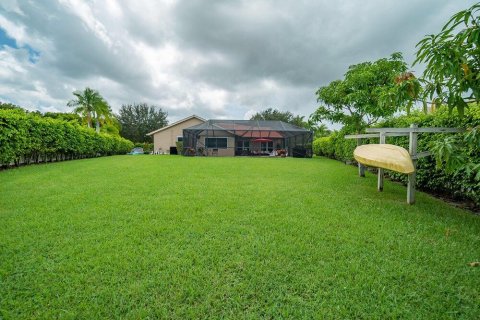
[175, 237]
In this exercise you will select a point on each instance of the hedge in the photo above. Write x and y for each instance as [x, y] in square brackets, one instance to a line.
[460, 185]
[27, 138]
[335, 146]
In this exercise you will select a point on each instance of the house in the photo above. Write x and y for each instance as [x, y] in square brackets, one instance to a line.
[165, 139]
[247, 137]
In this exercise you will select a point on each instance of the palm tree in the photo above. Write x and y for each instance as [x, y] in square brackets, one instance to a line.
[101, 114]
[91, 105]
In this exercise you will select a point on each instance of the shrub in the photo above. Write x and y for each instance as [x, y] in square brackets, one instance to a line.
[179, 145]
[323, 146]
[13, 135]
[27, 137]
[146, 146]
[335, 146]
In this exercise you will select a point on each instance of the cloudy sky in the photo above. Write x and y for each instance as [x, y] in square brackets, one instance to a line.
[216, 59]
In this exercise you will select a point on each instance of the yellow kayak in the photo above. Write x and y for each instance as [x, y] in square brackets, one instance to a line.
[386, 156]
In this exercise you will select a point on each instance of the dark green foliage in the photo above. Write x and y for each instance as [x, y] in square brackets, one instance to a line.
[6, 105]
[452, 73]
[139, 119]
[28, 137]
[277, 115]
[459, 182]
[368, 93]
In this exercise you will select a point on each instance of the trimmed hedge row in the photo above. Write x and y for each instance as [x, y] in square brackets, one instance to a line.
[27, 138]
[335, 146]
[460, 184]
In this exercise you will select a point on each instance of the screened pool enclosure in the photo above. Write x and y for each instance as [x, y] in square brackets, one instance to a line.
[247, 138]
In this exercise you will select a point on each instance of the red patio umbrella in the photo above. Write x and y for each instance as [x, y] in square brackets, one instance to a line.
[262, 140]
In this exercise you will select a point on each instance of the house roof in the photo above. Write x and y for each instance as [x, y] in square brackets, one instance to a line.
[250, 128]
[248, 125]
[176, 123]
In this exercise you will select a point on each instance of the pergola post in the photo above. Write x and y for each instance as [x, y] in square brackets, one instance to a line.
[380, 170]
[412, 149]
[361, 167]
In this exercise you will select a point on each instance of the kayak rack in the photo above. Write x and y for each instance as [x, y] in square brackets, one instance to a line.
[412, 132]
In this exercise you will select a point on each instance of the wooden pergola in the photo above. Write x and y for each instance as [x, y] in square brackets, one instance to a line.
[412, 132]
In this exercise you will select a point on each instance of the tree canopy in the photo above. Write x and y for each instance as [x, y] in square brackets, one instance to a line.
[139, 119]
[368, 93]
[452, 73]
[278, 115]
[11, 106]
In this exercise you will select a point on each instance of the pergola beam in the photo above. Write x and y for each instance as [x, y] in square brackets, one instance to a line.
[376, 135]
[415, 129]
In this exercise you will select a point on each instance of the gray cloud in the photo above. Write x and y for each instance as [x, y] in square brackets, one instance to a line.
[215, 59]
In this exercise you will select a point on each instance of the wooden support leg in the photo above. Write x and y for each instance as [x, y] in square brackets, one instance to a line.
[412, 149]
[361, 170]
[380, 179]
[411, 188]
[380, 171]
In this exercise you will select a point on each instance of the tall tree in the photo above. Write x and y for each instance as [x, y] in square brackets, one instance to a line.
[139, 119]
[366, 94]
[91, 106]
[102, 114]
[319, 130]
[452, 72]
[278, 115]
